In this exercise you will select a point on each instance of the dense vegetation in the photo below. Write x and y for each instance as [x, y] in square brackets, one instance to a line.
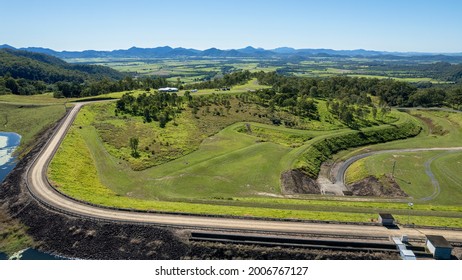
[27, 73]
[358, 90]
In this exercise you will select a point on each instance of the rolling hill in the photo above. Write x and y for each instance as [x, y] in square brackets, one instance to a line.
[33, 66]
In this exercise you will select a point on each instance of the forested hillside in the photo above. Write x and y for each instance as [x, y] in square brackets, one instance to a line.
[27, 73]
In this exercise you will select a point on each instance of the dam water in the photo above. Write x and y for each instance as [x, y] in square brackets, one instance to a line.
[9, 141]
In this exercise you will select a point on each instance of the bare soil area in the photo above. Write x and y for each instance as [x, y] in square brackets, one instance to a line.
[296, 182]
[383, 187]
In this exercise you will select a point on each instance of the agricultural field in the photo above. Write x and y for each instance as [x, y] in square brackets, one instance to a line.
[187, 70]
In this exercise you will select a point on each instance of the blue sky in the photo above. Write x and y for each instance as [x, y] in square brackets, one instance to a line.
[389, 25]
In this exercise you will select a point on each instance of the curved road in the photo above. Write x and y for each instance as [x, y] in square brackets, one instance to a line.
[340, 176]
[41, 190]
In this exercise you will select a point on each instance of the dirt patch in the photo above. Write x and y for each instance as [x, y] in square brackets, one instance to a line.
[296, 182]
[386, 186]
[434, 129]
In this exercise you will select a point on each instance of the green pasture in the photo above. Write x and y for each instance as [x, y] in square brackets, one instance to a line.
[407, 165]
[233, 172]
[37, 99]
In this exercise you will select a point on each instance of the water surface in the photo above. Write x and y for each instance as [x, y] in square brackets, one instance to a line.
[9, 141]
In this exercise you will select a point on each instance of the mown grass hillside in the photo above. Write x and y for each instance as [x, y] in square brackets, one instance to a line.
[232, 172]
[442, 129]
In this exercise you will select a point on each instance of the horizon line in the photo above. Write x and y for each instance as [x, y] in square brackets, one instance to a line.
[229, 49]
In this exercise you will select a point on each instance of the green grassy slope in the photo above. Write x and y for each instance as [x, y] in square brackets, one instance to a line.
[442, 129]
[232, 173]
[28, 120]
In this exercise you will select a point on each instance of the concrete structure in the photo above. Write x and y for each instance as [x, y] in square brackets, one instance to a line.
[439, 247]
[386, 219]
[407, 255]
[168, 89]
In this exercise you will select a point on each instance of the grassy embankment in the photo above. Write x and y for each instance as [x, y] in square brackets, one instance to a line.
[18, 115]
[28, 120]
[231, 173]
[443, 129]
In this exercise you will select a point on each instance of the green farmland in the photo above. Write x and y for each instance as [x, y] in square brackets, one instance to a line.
[188, 70]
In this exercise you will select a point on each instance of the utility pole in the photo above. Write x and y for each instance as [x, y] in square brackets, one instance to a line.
[410, 204]
[393, 171]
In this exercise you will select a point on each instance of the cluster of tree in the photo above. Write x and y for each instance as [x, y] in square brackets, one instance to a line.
[442, 71]
[296, 103]
[160, 107]
[93, 88]
[9, 85]
[350, 114]
[228, 80]
[438, 96]
[197, 102]
[359, 90]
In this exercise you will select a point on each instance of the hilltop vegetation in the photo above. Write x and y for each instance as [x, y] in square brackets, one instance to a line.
[28, 73]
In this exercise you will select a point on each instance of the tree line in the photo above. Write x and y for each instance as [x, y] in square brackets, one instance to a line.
[359, 90]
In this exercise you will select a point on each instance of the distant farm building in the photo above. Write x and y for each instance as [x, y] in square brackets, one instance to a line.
[386, 219]
[439, 247]
[168, 89]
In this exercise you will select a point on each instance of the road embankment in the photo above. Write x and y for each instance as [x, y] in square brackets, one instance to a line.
[82, 238]
[86, 238]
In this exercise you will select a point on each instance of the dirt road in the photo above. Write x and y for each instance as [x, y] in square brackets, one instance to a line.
[42, 191]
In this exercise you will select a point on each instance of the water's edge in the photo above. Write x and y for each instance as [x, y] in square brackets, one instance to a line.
[7, 164]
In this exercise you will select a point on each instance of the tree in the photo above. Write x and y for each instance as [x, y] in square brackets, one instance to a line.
[314, 91]
[374, 112]
[12, 85]
[134, 141]
[455, 97]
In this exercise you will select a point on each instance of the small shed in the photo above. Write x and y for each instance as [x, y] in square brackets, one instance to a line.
[386, 219]
[168, 89]
[439, 247]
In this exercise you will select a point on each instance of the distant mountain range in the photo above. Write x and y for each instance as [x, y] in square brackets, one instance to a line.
[169, 52]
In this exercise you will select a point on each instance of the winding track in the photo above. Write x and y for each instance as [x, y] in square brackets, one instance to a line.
[42, 191]
[340, 175]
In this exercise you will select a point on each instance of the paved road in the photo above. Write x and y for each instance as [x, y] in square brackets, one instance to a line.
[44, 193]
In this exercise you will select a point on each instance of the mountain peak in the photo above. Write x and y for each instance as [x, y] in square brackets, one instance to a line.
[5, 46]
